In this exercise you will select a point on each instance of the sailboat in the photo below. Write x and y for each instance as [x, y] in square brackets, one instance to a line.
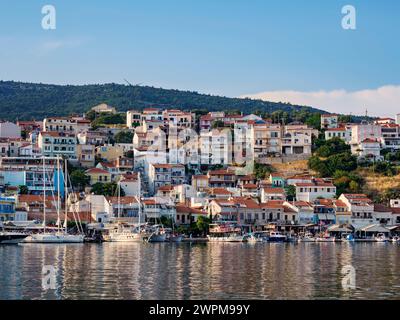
[59, 236]
[125, 233]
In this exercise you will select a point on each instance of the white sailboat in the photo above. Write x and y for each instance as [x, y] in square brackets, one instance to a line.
[125, 233]
[59, 236]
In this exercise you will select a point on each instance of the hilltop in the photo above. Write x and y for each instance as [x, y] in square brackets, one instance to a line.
[27, 101]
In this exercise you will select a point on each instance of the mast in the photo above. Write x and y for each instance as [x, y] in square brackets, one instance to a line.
[58, 194]
[66, 197]
[139, 199]
[119, 200]
[44, 196]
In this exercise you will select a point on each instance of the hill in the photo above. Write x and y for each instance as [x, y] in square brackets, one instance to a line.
[27, 101]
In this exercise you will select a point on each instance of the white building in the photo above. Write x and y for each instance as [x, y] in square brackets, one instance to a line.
[317, 188]
[216, 147]
[165, 174]
[54, 144]
[297, 140]
[9, 130]
[343, 133]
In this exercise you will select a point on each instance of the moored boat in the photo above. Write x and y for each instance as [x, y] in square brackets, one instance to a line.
[226, 233]
[276, 237]
[12, 237]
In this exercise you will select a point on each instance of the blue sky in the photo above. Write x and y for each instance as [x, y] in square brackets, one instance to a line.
[233, 48]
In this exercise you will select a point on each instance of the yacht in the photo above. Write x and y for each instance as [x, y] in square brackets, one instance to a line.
[125, 233]
[257, 236]
[57, 237]
[60, 236]
[395, 239]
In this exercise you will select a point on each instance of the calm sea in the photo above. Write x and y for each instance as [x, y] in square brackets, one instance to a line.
[200, 271]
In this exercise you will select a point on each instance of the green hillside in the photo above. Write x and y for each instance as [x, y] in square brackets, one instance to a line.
[26, 101]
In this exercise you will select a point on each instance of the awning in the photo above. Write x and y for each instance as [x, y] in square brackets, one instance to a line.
[374, 228]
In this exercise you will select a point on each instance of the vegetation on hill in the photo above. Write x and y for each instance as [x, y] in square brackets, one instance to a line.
[26, 101]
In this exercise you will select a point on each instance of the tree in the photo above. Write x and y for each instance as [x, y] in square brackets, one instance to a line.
[203, 224]
[23, 190]
[331, 147]
[107, 189]
[290, 192]
[79, 179]
[262, 171]
[124, 137]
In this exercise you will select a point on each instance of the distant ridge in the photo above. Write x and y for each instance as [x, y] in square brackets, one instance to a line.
[27, 101]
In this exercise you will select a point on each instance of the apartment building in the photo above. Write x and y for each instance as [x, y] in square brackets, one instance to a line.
[52, 144]
[361, 208]
[71, 125]
[28, 171]
[266, 140]
[165, 174]
[390, 136]
[297, 140]
[216, 147]
[98, 175]
[221, 179]
[317, 188]
[178, 118]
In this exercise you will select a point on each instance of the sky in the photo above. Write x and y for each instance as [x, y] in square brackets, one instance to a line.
[280, 50]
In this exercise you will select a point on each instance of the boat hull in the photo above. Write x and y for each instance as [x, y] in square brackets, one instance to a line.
[227, 239]
[12, 238]
[54, 238]
[157, 238]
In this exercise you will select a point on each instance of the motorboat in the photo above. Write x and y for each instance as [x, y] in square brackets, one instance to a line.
[157, 234]
[308, 237]
[257, 237]
[395, 239]
[380, 237]
[276, 237]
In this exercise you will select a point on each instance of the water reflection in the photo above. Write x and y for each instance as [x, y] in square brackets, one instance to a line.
[203, 271]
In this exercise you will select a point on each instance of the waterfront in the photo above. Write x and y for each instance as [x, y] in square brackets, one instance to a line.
[202, 271]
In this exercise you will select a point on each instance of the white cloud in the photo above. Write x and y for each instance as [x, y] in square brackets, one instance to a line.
[383, 101]
[48, 47]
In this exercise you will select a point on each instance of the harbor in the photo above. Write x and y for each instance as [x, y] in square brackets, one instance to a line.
[159, 271]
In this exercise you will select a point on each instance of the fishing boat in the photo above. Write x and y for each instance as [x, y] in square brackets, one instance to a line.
[158, 234]
[60, 236]
[226, 233]
[275, 236]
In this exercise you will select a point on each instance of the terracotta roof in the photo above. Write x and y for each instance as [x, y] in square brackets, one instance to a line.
[250, 186]
[216, 191]
[97, 170]
[204, 177]
[274, 190]
[166, 188]
[122, 200]
[182, 208]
